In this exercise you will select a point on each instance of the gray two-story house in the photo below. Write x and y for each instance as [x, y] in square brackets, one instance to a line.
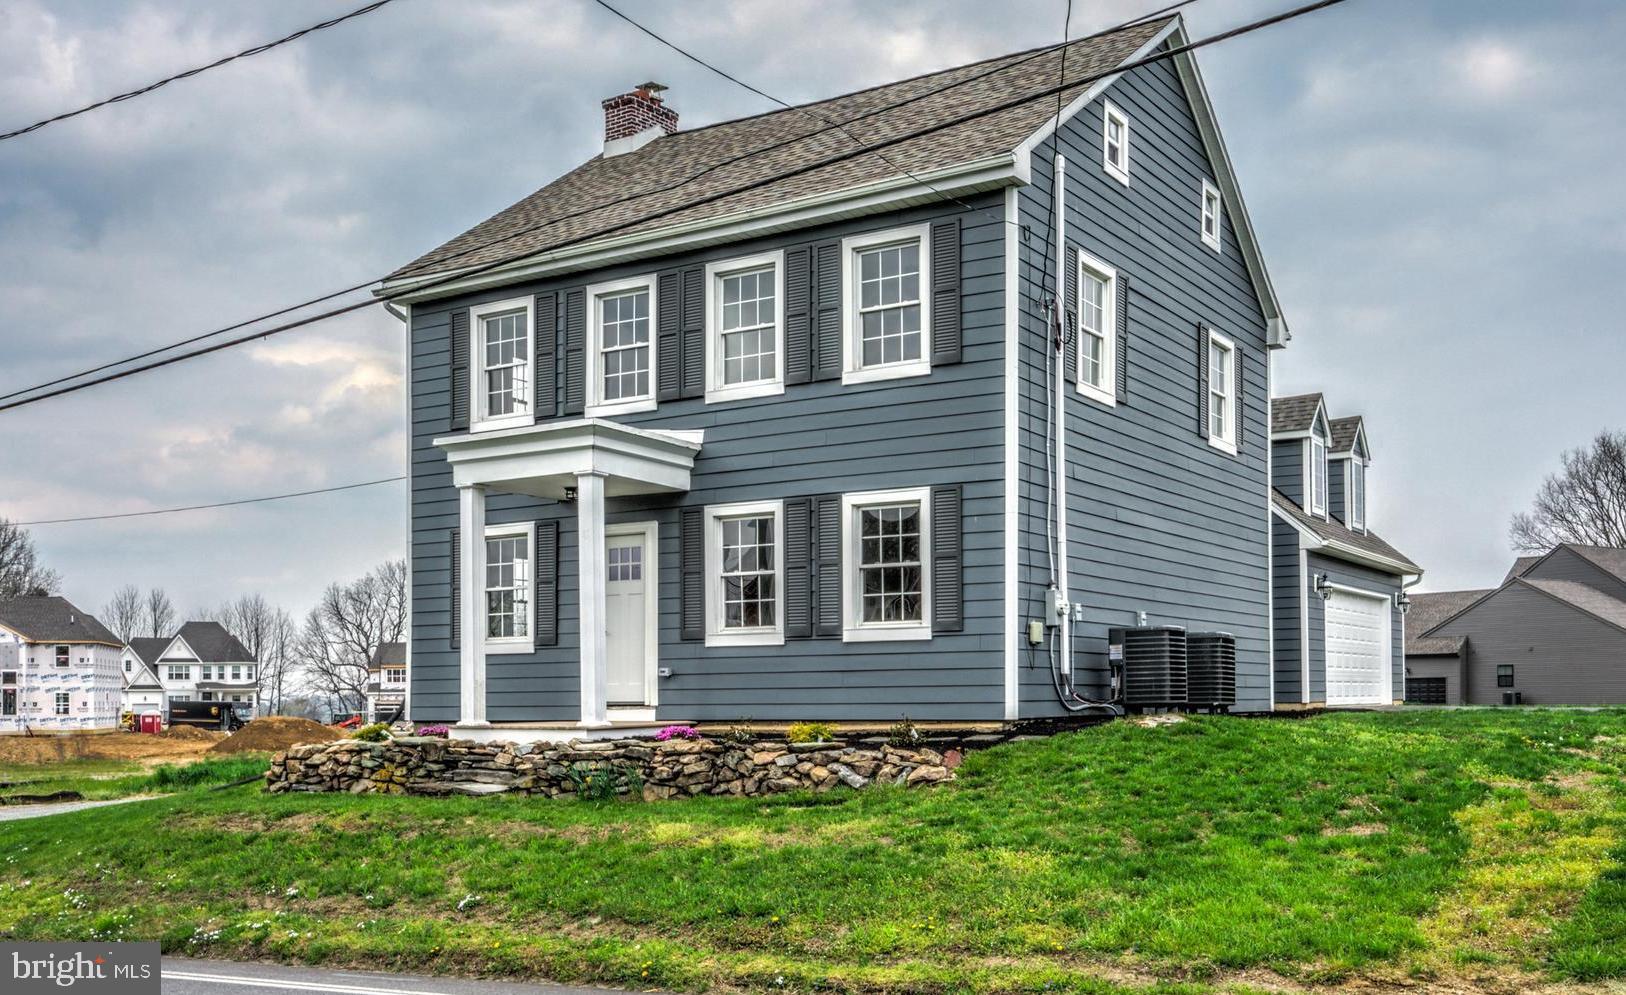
[891, 404]
[1339, 599]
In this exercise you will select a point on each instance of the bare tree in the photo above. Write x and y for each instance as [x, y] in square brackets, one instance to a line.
[124, 612]
[268, 633]
[21, 572]
[1585, 503]
[341, 631]
[159, 614]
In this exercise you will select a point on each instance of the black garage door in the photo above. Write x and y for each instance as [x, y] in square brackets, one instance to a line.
[1425, 690]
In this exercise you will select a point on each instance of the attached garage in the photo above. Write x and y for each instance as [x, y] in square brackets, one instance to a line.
[1359, 670]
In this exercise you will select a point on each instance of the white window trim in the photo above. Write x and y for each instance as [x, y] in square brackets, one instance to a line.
[513, 644]
[854, 629]
[1209, 190]
[596, 405]
[1227, 442]
[852, 369]
[715, 389]
[1107, 392]
[478, 421]
[1120, 173]
[1356, 524]
[1316, 463]
[716, 634]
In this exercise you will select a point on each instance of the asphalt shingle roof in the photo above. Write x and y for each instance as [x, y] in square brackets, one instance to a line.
[792, 149]
[1521, 565]
[1609, 558]
[1343, 433]
[53, 619]
[1293, 414]
[389, 655]
[1430, 609]
[1588, 599]
[148, 649]
[213, 644]
[1332, 531]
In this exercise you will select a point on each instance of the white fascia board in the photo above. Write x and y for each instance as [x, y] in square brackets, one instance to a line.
[1332, 547]
[989, 173]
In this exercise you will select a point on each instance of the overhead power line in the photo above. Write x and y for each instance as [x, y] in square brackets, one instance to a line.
[710, 198]
[150, 87]
[217, 504]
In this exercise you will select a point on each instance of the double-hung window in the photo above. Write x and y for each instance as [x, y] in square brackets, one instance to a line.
[1097, 329]
[394, 675]
[621, 347]
[175, 673]
[1115, 143]
[1504, 675]
[63, 655]
[508, 584]
[1211, 210]
[887, 542]
[1318, 475]
[1356, 486]
[1222, 400]
[745, 314]
[745, 570]
[502, 351]
[885, 318]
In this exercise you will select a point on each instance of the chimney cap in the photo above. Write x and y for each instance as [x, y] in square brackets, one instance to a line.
[652, 88]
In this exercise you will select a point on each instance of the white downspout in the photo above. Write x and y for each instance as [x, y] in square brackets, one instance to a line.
[1063, 568]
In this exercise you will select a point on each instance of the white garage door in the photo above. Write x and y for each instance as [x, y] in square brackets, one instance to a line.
[1358, 650]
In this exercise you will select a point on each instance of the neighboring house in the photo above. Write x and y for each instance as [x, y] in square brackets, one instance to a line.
[386, 681]
[699, 433]
[59, 668]
[1339, 602]
[143, 691]
[1554, 633]
[204, 662]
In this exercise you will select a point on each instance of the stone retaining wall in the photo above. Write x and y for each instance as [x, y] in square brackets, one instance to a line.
[432, 766]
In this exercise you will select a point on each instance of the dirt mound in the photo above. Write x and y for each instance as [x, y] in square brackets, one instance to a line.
[192, 733]
[47, 749]
[275, 732]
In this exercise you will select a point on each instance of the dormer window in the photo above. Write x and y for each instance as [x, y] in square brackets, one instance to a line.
[1357, 494]
[502, 351]
[1115, 143]
[1318, 476]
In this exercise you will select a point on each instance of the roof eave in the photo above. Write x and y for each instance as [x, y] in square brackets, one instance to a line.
[989, 173]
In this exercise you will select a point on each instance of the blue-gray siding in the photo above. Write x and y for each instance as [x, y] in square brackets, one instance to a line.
[1366, 579]
[1287, 612]
[1159, 520]
[1287, 468]
[817, 438]
[1335, 489]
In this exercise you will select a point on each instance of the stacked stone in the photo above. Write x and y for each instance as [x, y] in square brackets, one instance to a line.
[678, 768]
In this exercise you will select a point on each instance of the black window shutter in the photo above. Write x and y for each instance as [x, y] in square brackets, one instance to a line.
[460, 369]
[946, 318]
[544, 393]
[1202, 381]
[1069, 314]
[692, 570]
[575, 351]
[547, 583]
[457, 592]
[826, 340]
[798, 555]
[694, 332]
[798, 314]
[1238, 408]
[827, 565]
[948, 573]
[668, 335]
[1122, 357]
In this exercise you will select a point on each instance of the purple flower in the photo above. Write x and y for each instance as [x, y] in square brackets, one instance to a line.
[677, 732]
[434, 731]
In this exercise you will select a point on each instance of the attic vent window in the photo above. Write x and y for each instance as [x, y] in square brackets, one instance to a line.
[1115, 143]
[1211, 215]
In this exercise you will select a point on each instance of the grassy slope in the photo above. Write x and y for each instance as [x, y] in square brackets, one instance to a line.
[102, 779]
[1313, 847]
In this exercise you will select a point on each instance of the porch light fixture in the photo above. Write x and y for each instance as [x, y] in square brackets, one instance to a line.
[1323, 586]
[570, 495]
[1403, 601]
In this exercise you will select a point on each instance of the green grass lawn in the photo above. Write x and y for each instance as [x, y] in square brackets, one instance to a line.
[1206, 855]
[97, 780]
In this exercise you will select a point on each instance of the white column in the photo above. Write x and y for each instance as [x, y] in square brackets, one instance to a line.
[590, 565]
[471, 552]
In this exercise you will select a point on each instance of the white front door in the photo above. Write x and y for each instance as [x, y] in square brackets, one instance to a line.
[1358, 649]
[628, 596]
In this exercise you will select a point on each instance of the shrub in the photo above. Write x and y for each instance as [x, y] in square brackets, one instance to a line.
[904, 733]
[436, 730]
[677, 732]
[378, 732]
[605, 782]
[810, 732]
[740, 732]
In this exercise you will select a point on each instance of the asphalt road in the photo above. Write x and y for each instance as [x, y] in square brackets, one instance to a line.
[9, 813]
[214, 977]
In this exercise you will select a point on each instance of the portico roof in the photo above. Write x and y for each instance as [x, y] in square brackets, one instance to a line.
[542, 460]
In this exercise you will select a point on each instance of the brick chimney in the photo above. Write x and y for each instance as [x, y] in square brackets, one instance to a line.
[635, 119]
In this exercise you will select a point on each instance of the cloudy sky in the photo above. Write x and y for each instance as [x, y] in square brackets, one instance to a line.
[1436, 186]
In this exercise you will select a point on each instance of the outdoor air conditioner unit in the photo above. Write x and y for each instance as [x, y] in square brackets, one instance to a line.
[1153, 658]
[1211, 670]
[1512, 697]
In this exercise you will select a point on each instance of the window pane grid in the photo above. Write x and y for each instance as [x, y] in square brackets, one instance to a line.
[889, 563]
[507, 587]
[624, 345]
[749, 596]
[1092, 311]
[748, 327]
[506, 355]
[889, 303]
[1219, 390]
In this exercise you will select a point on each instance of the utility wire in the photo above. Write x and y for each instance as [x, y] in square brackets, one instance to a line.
[710, 198]
[150, 87]
[217, 504]
[1000, 66]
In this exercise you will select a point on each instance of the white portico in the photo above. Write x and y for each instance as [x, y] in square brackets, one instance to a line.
[590, 460]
